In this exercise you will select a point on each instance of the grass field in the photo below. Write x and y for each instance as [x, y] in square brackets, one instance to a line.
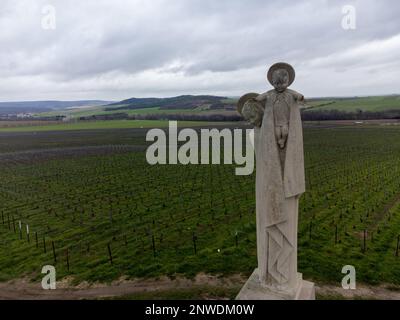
[91, 125]
[92, 197]
[95, 111]
[378, 103]
[373, 103]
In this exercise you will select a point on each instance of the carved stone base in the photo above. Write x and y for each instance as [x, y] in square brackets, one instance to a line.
[254, 290]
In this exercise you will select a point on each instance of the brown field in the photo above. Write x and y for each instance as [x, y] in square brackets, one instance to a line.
[24, 123]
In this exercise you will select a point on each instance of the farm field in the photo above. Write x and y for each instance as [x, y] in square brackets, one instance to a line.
[97, 211]
[24, 123]
[93, 111]
[350, 104]
[143, 108]
[89, 125]
[376, 103]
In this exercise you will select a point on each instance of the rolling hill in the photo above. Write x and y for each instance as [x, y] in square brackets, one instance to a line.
[177, 103]
[208, 104]
[187, 104]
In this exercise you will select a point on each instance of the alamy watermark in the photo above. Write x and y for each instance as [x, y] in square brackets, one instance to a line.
[349, 17]
[49, 280]
[349, 280]
[49, 21]
[161, 152]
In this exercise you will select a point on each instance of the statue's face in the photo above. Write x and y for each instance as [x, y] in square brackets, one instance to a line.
[280, 80]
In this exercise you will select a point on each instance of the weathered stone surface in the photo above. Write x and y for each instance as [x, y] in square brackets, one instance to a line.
[255, 290]
[280, 181]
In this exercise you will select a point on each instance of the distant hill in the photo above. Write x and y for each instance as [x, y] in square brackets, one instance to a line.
[209, 105]
[183, 102]
[209, 102]
[45, 106]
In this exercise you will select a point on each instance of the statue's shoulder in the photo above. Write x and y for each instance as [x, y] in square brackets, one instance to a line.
[297, 96]
[271, 93]
[266, 95]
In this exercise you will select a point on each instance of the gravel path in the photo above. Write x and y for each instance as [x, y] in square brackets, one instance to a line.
[22, 289]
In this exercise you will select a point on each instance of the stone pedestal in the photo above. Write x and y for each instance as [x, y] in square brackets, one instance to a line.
[254, 290]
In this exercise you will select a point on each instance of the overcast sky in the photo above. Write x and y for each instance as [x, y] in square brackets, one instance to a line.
[103, 49]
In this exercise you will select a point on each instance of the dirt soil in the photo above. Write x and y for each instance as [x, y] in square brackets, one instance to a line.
[23, 289]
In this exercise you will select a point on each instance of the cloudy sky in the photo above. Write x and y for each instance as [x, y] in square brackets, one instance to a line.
[103, 49]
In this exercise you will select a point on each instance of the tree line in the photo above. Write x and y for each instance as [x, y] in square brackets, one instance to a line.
[320, 115]
[306, 115]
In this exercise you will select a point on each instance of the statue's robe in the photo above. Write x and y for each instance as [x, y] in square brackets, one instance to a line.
[277, 192]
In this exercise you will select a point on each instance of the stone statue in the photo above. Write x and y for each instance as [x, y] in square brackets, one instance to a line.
[280, 181]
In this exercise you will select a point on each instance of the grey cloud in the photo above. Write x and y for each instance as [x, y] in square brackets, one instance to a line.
[158, 47]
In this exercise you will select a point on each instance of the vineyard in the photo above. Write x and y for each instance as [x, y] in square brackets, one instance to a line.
[88, 203]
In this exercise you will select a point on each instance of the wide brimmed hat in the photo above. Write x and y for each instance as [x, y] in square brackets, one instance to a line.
[243, 99]
[281, 65]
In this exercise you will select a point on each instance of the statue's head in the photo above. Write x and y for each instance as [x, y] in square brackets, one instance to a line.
[280, 80]
[281, 75]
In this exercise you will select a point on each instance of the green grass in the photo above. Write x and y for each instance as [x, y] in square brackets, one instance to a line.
[373, 103]
[96, 111]
[83, 203]
[102, 124]
[154, 110]
[379, 103]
